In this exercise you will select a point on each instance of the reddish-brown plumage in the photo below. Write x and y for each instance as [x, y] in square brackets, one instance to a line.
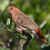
[22, 20]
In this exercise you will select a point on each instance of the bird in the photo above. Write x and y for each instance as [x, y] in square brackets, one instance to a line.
[22, 22]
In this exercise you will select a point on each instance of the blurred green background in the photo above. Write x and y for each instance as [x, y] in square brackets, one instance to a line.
[38, 10]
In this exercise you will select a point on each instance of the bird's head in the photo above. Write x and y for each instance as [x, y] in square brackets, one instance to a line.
[14, 12]
[13, 9]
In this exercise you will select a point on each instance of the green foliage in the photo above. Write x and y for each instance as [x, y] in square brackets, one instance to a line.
[3, 4]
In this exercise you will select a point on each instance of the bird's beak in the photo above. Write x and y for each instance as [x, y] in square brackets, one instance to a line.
[9, 8]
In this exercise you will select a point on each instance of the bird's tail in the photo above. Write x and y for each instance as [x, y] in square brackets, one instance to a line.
[41, 36]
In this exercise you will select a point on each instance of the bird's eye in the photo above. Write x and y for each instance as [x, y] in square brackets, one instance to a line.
[11, 8]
